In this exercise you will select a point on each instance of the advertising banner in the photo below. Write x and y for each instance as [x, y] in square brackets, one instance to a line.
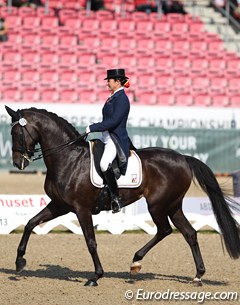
[17, 210]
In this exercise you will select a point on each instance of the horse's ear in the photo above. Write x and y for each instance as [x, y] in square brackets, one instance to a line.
[12, 113]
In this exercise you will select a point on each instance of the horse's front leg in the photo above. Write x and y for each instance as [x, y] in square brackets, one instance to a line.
[50, 212]
[85, 219]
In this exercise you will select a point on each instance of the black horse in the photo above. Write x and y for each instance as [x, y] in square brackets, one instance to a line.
[167, 176]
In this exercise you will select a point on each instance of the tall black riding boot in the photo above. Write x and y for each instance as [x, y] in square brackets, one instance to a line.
[113, 188]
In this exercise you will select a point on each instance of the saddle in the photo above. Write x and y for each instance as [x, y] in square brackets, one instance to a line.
[132, 178]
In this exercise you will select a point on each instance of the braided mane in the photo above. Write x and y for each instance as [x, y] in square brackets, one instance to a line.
[64, 123]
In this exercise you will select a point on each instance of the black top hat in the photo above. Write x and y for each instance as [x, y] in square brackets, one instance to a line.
[116, 73]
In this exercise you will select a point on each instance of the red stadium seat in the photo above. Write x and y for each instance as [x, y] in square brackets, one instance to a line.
[146, 81]
[234, 85]
[233, 66]
[42, 11]
[179, 29]
[49, 41]
[29, 77]
[49, 95]
[184, 99]
[202, 100]
[216, 65]
[11, 94]
[88, 96]
[67, 41]
[144, 27]
[126, 26]
[30, 59]
[165, 98]
[86, 59]
[67, 60]
[108, 25]
[31, 39]
[15, 38]
[66, 13]
[146, 97]
[49, 60]
[200, 84]
[102, 15]
[67, 96]
[49, 22]
[90, 25]
[30, 95]
[145, 62]
[108, 42]
[218, 84]
[11, 57]
[89, 41]
[24, 11]
[220, 100]
[164, 64]
[181, 64]
[127, 44]
[6, 11]
[68, 78]
[138, 16]
[145, 45]
[164, 82]
[86, 79]
[182, 83]
[180, 47]
[31, 22]
[48, 78]
[160, 28]
[108, 59]
[10, 77]
[199, 65]
[235, 101]
[14, 22]
[198, 47]
[73, 23]
[163, 46]
[128, 60]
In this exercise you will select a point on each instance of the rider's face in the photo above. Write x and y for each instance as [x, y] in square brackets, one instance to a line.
[113, 84]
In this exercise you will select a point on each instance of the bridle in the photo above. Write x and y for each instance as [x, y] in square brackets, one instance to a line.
[27, 153]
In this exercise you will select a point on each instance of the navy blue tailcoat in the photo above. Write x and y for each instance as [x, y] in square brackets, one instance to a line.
[115, 114]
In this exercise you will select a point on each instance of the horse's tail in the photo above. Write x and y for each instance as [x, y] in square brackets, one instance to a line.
[228, 225]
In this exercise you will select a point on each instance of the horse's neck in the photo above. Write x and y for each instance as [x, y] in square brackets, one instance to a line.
[56, 134]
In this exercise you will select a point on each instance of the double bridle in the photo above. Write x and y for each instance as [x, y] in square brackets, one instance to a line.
[28, 153]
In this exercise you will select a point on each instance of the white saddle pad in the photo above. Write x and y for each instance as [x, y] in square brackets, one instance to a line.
[132, 178]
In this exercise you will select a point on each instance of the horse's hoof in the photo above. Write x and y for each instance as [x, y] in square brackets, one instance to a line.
[91, 283]
[20, 264]
[135, 268]
[196, 282]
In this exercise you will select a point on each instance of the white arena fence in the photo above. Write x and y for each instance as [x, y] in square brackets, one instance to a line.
[16, 210]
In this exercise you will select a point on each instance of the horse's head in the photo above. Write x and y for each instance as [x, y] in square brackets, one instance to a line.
[24, 138]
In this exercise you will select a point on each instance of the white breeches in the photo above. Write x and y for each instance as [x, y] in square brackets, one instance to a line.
[109, 153]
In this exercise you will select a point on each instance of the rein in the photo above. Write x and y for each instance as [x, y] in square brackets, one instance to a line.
[56, 149]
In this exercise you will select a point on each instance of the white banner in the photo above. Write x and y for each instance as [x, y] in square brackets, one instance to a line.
[81, 115]
[17, 210]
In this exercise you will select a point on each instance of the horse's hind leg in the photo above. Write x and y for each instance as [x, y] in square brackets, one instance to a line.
[190, 235]
[50, 212]
[163, 229]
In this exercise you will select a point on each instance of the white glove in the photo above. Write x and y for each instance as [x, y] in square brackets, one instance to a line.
[87, 130]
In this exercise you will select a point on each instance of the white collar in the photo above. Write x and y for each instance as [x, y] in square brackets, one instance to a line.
[121, 88]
